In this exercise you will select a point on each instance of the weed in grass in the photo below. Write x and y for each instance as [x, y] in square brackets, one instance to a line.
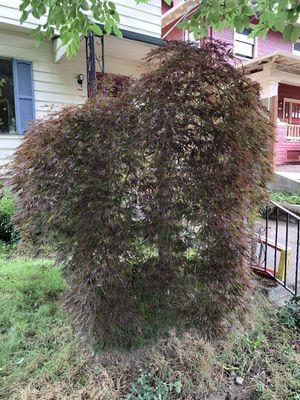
[149, 387]
[264, 354]
[188, 359]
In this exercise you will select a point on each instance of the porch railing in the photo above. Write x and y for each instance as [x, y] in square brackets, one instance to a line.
[277, 254]
[293, 133]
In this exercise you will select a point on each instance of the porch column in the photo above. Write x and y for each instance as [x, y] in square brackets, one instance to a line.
[270, 95]
[94, 59]
[90, 64]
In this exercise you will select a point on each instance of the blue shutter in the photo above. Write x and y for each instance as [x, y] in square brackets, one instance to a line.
[24, 94]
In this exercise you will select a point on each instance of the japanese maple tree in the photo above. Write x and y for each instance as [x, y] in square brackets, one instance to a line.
[146, 197]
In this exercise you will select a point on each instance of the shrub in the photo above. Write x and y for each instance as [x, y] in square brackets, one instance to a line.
[146, 196]
[8, 233]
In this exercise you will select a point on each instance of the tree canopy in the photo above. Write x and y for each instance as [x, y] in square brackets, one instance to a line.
[72, 20]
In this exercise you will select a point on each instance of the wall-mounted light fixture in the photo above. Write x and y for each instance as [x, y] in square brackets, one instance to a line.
[80, 79]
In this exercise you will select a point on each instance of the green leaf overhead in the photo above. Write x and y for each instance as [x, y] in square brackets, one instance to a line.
[72, 20]
[260, 15]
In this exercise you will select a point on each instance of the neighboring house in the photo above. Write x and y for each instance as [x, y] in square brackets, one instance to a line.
[272, 62]
[39, 79]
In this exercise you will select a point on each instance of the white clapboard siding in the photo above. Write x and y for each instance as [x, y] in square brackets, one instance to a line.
[8, 144]
[10, 14]
[55, 85]
[122, 55]
[139, 18]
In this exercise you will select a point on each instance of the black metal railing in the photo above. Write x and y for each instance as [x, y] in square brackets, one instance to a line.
[277, 253]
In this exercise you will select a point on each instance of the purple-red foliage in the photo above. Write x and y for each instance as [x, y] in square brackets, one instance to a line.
[146, 197]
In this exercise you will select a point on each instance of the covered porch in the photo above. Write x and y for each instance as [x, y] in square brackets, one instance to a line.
[279, 77]
[108, 54]
[104, 53]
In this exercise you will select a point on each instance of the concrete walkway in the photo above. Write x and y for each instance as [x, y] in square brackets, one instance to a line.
[290, 171]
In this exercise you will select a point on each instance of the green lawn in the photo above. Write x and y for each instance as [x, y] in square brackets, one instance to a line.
[42, 358]
[38, 347]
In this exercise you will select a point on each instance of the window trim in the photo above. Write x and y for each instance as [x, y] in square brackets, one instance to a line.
[255, 46]
[17, 96]
[11, 59]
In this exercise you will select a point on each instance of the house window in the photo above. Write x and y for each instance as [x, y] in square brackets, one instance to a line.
[17, 107]
[243, 45]
[296, 48]
[7, 97]
[292, 111]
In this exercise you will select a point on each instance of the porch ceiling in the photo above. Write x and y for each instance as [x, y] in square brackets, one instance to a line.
[281, 61]
[132, 46]
[125, 48]
[123, 56]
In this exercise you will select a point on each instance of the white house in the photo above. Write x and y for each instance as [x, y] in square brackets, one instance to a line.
[39, 79]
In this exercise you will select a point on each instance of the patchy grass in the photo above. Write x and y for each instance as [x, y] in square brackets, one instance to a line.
[42, 358]
[264, 354]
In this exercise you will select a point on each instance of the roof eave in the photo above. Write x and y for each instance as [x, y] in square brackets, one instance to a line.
[176, 12]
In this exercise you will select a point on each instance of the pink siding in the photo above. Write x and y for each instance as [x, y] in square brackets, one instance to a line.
[282, 146]
[280, 152]
[286, 92]
[273, 42]
[225, 36]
